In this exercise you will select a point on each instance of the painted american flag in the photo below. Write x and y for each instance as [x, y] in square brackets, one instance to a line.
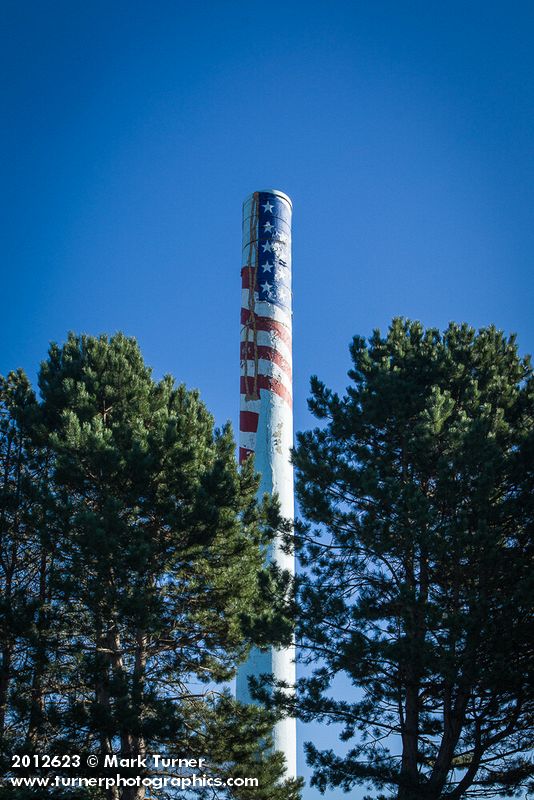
[266, 379]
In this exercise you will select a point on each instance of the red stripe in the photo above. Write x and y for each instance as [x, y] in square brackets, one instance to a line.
[265, 382]
[248, 421]
[248, 277]
[244, 453]
[248, 351]
[265, 324]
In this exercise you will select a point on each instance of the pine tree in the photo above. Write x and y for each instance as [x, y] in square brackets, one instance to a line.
[15, 394]
[26, 565]
[159, 577]
[417, 544]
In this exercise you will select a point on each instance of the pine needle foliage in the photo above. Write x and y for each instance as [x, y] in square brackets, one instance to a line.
[153, 577]
[416, 493]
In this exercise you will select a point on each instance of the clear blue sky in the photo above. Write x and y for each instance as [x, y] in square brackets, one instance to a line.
[402, 131]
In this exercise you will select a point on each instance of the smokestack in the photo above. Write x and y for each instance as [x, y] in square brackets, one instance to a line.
[266, 414]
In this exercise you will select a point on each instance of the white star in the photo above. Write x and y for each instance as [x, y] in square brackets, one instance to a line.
[267, 267]
[268, 208]
[267, 226]
[266, 287]
[267, 247]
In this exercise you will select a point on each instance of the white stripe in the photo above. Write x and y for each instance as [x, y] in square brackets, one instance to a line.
[264, 309]
[250, 405]
[247, 440]
[266, 367]
[269, 339]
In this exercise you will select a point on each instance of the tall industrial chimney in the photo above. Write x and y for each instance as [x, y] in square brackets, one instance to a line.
[266, 415]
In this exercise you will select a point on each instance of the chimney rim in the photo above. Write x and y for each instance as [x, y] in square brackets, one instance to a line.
[275, 192]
